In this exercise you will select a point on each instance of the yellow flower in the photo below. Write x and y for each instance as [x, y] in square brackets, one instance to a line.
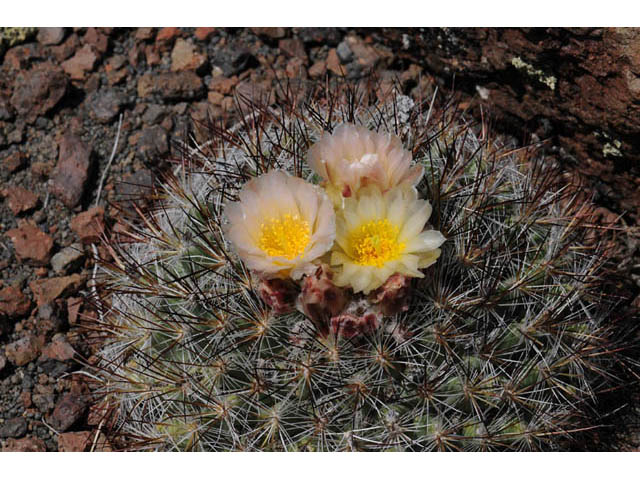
[281, 225]
[380, 234]
[354, 157]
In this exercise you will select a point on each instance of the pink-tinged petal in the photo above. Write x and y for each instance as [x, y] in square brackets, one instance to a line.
[242, 239]
[270, 198]
[354, 157]
[414, 175]
[307, 200]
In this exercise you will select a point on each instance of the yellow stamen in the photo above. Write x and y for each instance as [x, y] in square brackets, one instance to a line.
[375, 243]
[286, 236]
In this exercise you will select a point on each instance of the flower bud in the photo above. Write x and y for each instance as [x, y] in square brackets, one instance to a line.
[320, 299]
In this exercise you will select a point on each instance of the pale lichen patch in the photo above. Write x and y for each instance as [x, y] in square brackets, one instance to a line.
[612, 150]
[612, 147]
[548, 80]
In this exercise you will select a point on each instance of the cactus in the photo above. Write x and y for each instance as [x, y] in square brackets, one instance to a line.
[505, 343]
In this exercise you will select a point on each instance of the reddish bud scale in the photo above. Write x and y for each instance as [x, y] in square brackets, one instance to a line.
[279, 294]
[320, 299]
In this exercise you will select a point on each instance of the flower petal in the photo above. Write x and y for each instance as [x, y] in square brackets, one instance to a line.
[415, 221]
[354, 157]
[270, 198]
[428, 240]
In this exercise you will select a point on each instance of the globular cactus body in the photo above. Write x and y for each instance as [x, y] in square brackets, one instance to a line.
[503, 344]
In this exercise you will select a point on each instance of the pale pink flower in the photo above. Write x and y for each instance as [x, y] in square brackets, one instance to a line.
[281, 225]
[353, 157]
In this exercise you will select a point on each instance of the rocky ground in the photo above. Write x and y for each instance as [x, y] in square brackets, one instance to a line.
[62, 93]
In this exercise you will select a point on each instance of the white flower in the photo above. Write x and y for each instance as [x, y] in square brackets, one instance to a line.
[354, 157]
[380, 234]
[281, 224]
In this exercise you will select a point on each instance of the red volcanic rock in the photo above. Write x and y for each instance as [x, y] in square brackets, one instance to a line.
[269, 32]
[167, 35]
[74, 441]
[24, 350]
[14, 162]
[68, 411]
[20, 199]
[145, 33]
[171, 85]
[50, 35]
[38, 90]
[185, 56]
[66, 49]
[13, 303]
[73, 309]
[578, 87]
[49, 289]
[222, 84]
[31, 243]
[318, 69]
[27, 444]
[333, 63]
[22, 56]
[72, 171]
[293, 47]
[58, 349]
[97, 39]
[89, 225]
[82, 63]
[204, 33]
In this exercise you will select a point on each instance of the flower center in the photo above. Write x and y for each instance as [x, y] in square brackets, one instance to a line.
[286, 236]
[375, 243]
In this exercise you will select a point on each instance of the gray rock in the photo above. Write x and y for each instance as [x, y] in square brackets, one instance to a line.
[44, 401]
[235, 58]
[65, 259]
[153, 142]
[51, 35]
[16, 135]
[105, 105]
[13, 428]
[27, 382]
[55, 368]
[68, 411]
[344, 52]
[153, 114]
[171, 85]
[134, 190]
[5, 111]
